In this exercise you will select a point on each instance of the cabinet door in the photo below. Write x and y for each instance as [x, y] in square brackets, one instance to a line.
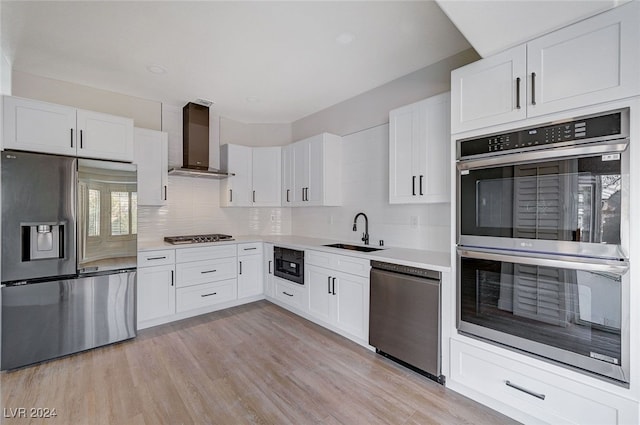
[352, 304]
[402, 179]
[287, 176]
[104, 136]
[39, 127]
[268, 270]
[266, 175]
[301, 151]
[151, 157]
[315, 188]
[236, 190]
[432, 148]
[250, 278]
[490, 91]
[156, 292]
[593, 61]
[320, 292]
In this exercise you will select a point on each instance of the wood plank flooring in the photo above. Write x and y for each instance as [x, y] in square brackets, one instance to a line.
[252, 364]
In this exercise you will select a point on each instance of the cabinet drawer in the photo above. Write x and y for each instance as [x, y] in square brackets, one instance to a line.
[249, 248]
[205, 295]
[156, 258]
[198, 272]
[343, 263]
[185, 255]
[523, 386]
[295, 296]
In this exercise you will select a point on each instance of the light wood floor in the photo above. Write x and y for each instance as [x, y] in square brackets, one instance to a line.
[250, 364]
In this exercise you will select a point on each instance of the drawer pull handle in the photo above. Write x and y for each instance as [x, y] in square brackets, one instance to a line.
[287, 294]
[208, 271]
[155, 258]
[208, 295]
[249, 249]
[524, 390]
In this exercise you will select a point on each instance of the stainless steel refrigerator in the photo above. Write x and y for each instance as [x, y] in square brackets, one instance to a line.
[69, 252]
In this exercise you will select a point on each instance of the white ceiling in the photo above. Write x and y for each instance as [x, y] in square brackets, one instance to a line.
[260, 62]
[492, 26]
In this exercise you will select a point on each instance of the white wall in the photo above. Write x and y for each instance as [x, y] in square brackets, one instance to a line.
[365, 177]
[372, 108]
[239, 133]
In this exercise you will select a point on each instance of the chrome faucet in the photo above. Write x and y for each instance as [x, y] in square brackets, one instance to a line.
[365, 235]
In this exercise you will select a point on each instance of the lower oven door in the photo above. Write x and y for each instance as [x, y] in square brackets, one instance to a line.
[568, 309]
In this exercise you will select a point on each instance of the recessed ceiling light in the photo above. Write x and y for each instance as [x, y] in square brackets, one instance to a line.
[156, 69]
[345, 38]
[252, 99]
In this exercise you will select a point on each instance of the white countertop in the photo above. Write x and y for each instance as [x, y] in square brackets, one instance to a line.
[433, 260]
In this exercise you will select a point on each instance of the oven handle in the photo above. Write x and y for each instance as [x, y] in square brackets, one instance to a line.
[610, 146]
[587, 264]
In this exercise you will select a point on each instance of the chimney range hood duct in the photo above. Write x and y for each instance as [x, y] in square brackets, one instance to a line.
[195, 144]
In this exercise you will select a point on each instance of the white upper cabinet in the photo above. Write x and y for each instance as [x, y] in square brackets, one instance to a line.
[36, 126]
[104, 136]
[490, 91]
[419, 143]
[151, 157]
[287, 176]
[316, 171]
[593, 61]
[257, 180]
[235, 191]
[267, 174]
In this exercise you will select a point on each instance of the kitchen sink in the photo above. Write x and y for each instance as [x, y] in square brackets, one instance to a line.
[353, 247]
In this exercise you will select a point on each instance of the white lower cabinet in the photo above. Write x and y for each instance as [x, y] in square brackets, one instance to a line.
[291, 294]
[268, 270]
[250, 279]
[156, 292]
[339, 293]
[197, 296]
[533, 395]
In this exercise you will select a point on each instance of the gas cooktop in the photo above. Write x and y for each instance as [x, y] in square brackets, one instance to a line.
[215, 237]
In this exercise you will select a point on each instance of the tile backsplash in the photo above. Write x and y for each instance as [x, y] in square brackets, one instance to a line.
[194, 207]
[365, 177]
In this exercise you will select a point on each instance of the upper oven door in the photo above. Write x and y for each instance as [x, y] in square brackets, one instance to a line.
[571, 199]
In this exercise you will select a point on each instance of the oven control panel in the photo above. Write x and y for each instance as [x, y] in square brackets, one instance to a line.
[587, 128]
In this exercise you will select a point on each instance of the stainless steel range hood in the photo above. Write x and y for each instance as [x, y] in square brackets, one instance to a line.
[195, 144]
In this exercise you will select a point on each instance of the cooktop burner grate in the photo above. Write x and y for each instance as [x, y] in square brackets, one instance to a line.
[215, 237]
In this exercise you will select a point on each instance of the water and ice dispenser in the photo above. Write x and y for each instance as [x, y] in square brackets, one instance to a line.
[42, 241]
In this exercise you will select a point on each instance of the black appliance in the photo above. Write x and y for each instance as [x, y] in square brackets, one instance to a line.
[289, 264]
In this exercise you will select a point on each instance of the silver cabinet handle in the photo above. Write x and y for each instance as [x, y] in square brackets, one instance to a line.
[518, 93]
[524, 390]
[533, 88]
[208, 271]
[155, 258]
[287, 294]
[208, 295]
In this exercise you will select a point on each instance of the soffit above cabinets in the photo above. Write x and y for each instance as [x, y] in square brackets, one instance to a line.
[494, 26]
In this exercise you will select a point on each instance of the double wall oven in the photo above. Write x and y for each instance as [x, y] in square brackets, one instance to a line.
[543, 228]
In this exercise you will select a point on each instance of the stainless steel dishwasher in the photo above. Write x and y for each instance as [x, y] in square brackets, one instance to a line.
[404, 318]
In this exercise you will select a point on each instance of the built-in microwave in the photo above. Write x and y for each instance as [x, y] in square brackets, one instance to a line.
[560, 188]
[289, 264]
